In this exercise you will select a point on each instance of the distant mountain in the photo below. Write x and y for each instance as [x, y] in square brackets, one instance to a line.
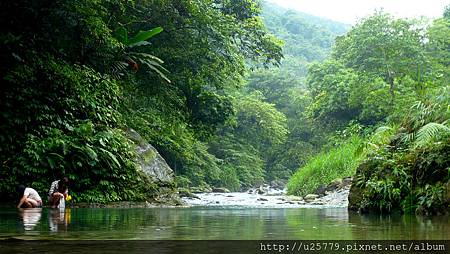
[307, 38]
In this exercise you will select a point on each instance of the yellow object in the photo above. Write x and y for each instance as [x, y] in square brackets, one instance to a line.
[68, 198]
[67, 216]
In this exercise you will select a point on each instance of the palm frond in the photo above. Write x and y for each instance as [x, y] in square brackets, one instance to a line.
[151, 61]
[154, 68]
[117, 69]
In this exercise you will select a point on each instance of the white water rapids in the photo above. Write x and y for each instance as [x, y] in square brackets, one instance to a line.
[271, 199]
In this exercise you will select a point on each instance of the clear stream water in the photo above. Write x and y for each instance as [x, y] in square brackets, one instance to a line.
[216, 222]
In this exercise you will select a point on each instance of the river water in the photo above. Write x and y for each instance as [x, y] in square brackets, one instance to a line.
[215, 222]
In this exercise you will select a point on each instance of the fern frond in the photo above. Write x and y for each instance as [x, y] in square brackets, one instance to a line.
[382, 129]
[146, 56]
[429, 133]
[407, 138]
[382, 134]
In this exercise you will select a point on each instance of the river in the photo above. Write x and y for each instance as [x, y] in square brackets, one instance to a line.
[216, 222]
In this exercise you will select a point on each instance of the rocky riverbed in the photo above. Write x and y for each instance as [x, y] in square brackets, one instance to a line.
[270, 198]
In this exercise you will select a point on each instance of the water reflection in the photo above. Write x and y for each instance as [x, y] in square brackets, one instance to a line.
[30, 217]
[59, 219]
[336, 214]
[217, 223]
[397, 227]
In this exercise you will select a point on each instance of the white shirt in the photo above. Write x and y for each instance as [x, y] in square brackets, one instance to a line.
[31, 193]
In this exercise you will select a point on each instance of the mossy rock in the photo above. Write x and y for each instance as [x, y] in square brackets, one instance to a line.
[149, 156]
[355, 198]
[363, 172]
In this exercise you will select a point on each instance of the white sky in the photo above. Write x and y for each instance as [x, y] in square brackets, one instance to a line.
[349, 11]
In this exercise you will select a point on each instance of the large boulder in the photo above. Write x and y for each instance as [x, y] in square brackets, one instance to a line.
[150, 161]
[154, 165]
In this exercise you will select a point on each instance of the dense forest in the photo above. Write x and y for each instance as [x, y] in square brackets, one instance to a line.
[231, 93]
[383, 100]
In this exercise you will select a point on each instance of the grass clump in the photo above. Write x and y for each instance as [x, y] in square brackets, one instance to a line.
[326, 166]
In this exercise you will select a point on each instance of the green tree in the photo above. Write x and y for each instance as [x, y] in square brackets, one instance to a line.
[75, 79]
[381, 46]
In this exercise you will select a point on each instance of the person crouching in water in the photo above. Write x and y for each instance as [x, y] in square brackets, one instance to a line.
[59, 189]
[29, 197]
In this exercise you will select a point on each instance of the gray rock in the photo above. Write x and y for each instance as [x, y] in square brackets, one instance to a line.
[310, 197]
[347, 181]
[277, 184]
[152, 164]
[220, 190]
[337, 181]
[262, 199]
[183, 192]
[334, 185]
[261, 191]
[293, 198]
[150, 161]
[321, 190]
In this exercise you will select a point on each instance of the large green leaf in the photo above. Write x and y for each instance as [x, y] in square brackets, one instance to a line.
[112, 157]
[143, 35]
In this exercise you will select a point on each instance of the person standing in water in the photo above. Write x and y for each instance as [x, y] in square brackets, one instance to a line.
[29, 197]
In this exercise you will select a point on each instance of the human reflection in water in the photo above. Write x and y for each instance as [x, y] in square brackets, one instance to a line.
[30, 217]
[58, 219]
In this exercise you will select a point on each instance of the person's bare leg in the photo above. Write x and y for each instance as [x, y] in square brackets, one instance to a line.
[54, 201]
[32, 203]
[26, 204]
